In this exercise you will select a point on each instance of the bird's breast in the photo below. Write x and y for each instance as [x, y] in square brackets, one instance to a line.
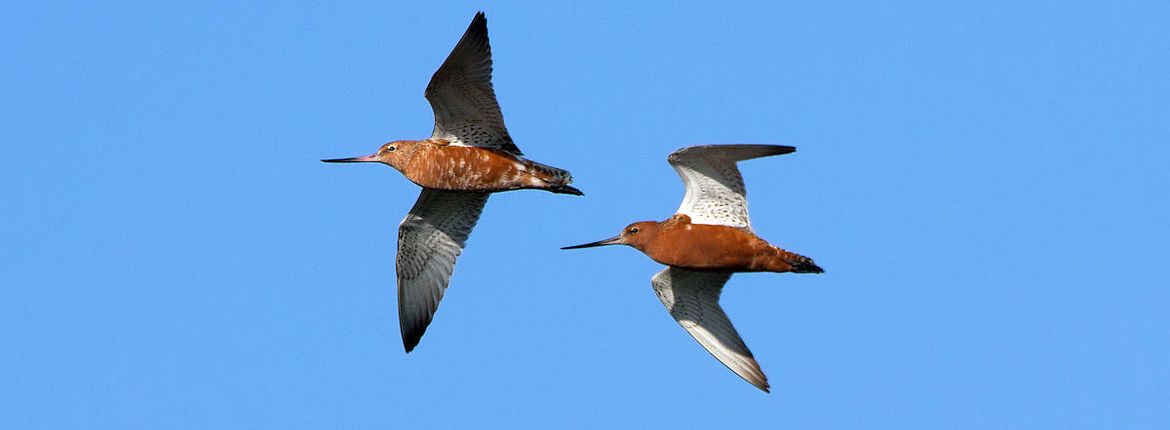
[708, 247]
[464, 168]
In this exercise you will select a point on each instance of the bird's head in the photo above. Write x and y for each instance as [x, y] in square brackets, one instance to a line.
[637, 235]
[393, 154]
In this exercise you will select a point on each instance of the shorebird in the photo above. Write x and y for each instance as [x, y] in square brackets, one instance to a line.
[704, 243]
[468, 156]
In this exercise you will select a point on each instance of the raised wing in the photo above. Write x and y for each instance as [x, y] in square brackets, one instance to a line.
[429, 239]
[460, 92]
[693, 300]
[715, 192]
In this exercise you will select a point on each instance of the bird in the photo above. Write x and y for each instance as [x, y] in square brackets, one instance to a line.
[707, 240]
[469, 156]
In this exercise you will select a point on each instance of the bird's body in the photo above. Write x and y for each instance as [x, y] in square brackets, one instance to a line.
[677, 242]
[704, 243]
[439, 165]
[468, 156]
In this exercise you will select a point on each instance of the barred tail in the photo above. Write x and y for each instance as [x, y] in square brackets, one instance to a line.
[792, 262]
[805, 265]
[558, 179]
[552, 175]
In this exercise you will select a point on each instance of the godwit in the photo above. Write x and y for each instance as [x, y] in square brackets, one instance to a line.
[468, 156]
[704, 243]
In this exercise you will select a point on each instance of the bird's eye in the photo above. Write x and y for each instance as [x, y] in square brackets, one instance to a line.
[634, 230]
[390, 148]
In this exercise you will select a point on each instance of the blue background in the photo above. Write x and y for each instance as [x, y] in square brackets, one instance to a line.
[986, 186]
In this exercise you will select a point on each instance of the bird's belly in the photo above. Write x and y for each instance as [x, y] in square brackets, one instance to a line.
[709, 262]
[462, 170]
[719, 250]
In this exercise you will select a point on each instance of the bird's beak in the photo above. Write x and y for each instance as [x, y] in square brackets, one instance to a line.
[616, 240]
[366, 159]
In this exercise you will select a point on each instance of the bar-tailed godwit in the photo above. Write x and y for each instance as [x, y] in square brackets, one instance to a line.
[468, 156]
[704, 243]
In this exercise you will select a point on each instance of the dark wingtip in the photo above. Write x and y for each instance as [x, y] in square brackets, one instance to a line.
[409, 342]
[480, 21]
[770, 150]
[411, 338]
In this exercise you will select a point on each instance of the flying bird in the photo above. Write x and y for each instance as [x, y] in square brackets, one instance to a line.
[468, 156]
[704, 243]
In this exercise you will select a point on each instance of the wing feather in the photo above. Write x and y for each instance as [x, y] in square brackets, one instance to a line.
[693, 300]
[715, 193]
[430, 238]
[461, 94]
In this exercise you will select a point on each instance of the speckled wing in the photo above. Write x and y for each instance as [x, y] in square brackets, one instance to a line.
[461, 94]
[693, 300]
[429, 239]
[715, 192]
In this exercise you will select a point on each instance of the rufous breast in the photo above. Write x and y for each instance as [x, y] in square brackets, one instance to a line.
[438, 165]
[679, 243]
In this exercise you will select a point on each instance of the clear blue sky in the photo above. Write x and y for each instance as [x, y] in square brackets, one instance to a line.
[987, 187]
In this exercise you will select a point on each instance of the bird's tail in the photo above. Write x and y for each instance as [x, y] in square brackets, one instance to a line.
[566, 189]
[558, 179]
[785, 261]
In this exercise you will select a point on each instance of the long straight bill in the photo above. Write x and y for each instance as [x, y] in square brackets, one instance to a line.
[616, 240]
[365, 159]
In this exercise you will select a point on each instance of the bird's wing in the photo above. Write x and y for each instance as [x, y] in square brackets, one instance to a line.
[460, 92]
[429, 239]
[693, 300]
[715, 192]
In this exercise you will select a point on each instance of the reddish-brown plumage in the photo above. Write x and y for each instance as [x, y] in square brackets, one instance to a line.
[438, 165]
[468, 156]
[679, 243]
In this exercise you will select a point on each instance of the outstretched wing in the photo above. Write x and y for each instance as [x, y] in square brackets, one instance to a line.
[715, 192]
[460, 92]
[693, 300]
[429, 239]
